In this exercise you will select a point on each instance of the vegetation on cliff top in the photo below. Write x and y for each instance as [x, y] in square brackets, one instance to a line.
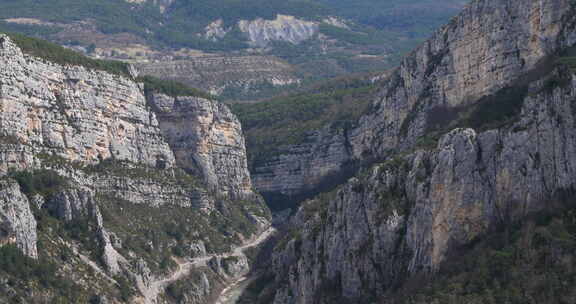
[60, 55]
[171, 87]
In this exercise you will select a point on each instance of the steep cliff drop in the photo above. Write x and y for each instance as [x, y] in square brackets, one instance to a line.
[471, 136]
[469, 58]
[112, 195]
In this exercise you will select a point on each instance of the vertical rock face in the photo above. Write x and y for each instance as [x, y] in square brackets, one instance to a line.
[470, 57]
[79, 205]
[121, 181]
[408, 214]
[482, 50]
[290, 172]
[17, 223]
[206, 138]
[87, 116]
[77, 114]
[74, 204]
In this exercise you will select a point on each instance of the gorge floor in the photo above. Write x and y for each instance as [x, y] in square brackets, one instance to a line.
[157, 286]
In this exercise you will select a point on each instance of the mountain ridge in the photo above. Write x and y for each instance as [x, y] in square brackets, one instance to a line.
[404, 216]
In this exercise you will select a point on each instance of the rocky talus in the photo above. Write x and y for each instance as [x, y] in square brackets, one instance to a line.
[109, 186]
[425, 199]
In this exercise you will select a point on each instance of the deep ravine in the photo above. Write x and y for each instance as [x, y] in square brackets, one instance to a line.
[157, 286]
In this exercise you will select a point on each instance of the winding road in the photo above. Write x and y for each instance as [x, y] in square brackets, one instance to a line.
[151, 291]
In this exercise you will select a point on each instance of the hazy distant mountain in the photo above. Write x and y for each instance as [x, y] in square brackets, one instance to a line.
[223, 24]
[313, 39]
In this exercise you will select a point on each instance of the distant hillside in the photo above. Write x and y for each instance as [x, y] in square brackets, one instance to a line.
[344, 33]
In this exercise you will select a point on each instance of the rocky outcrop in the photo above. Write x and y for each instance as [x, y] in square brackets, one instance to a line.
[206, 138]
[87, 116]
[462, 62]
[120, 181]
[469, 58]
[233, 77]
[72, 112]
[215, 30]
[79, 205]
[17, 223]
[408, 214]
[289, 173]
[260, 32]
[230, 267]
[72, 204]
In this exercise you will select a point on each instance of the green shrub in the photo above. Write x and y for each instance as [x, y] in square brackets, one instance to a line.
[170, 87]
[23, 269]
[497, 108]
[43, 182]
[124, 287]
[175, 291]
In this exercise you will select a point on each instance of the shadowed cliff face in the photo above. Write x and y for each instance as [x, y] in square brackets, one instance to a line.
[493, 68]
[471, 57]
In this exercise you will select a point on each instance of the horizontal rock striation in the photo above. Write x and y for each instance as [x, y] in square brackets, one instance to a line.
[206, 138]
[74, 113]
[407, 214]
[289, 175]
[471, 57]
[233, 77]
[119, 182]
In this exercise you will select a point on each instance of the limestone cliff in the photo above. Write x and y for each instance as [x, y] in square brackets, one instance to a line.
[261, 32]
[406, 215]
[17, 223]
[467, 59]
[74, 113]
[207, 138]
[317, 162]
[417, 205]
[117, 189]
